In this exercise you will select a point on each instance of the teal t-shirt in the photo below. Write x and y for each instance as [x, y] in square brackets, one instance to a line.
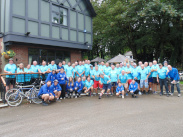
[107, 70]
[154, 73]
[89, 84]
[105, 79]
[20, 77]
[129, 76]
[10, 68]
[69, 71]
[28, 76]
[80, 69]
[97, 73]
[113, 76]
[35, 70]
[51, 67]
[123, 78]
[162, 73]
[143, 74]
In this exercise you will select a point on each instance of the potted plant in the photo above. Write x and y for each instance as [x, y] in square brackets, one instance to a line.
[9, 54]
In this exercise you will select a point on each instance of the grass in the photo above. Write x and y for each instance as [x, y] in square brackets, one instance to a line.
[181, 82]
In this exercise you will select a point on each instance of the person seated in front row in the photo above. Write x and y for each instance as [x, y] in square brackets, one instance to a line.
[120, 90]
[70, 87]
[106, 81]
[89, 87]
[133, 88]
[52, 76]
[78, 87]
[56, 90]
[46, 93]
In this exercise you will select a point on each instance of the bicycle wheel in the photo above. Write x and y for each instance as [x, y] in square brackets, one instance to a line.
[9, 92]
[35, 98]
[14, 99]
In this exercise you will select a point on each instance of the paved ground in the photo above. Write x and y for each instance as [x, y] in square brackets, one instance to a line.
[146, 116]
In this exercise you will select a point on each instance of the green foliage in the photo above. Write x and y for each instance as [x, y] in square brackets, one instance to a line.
[151, 29]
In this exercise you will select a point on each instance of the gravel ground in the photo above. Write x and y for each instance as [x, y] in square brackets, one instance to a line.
[146, 116]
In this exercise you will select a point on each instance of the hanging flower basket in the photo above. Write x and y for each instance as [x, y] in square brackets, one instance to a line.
[9, 54]
[6, 56]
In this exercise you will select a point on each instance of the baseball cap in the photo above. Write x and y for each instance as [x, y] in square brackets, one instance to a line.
[11, 59]
[160, 64]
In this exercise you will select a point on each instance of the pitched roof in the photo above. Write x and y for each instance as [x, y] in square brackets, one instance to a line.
[128, 53]
[98, 59]
[119, 58]
[91, 8]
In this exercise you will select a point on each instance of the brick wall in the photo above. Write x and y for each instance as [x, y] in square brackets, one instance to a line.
[1, 40]
[75, 56]
[21, 54]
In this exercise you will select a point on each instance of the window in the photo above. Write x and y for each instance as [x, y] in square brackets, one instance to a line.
[59, 15]
[47, 55]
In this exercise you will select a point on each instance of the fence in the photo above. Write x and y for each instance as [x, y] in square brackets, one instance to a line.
[20, 79]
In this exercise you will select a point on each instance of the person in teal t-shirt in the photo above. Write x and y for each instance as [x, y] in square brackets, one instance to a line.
[52, 66]
[20, 78]
[114, 78]
[10, 79]
[44, 70]
[28, 76]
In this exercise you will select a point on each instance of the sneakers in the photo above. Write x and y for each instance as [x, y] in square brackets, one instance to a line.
[127, 94]
[44, 104]
[123, 96]
[179, 95]
[61, 98]
[154, 92]
[76, 96]
[58, 100]
[99, 97]
[132, 95]
[140, 93]
[171, 94]
[160, 94]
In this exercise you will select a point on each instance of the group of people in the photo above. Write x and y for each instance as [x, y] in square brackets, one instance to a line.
[122, 79]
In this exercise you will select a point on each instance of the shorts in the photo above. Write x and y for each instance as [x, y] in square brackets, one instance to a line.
[114, 84]
[138, 81]
[155, 80]
[97, 84]
[40, 96]
[10, 81]
[125, 85]
[106, 86]
[143, 84]
[150, 79]
[129, 81]
[168, 81]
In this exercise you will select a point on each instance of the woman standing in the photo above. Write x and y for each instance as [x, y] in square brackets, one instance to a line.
[20, 76]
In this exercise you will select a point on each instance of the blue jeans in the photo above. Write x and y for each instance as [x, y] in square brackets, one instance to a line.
[178, 87]
[161, 82]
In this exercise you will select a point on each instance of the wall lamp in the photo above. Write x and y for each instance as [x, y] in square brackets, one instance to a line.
[27, 34]
[2, 33]
[86, 43]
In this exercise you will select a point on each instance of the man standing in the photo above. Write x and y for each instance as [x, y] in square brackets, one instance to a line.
[80, 70]
[167, 78]
[174, 76]
[114, 78]
[52, 66]
[69, 70]
[154, 72]
[96, 77]
[34, 68]
[144, 79]
[10, 79]
[161, 78]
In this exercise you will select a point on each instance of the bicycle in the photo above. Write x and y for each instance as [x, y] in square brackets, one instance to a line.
[15, 99]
